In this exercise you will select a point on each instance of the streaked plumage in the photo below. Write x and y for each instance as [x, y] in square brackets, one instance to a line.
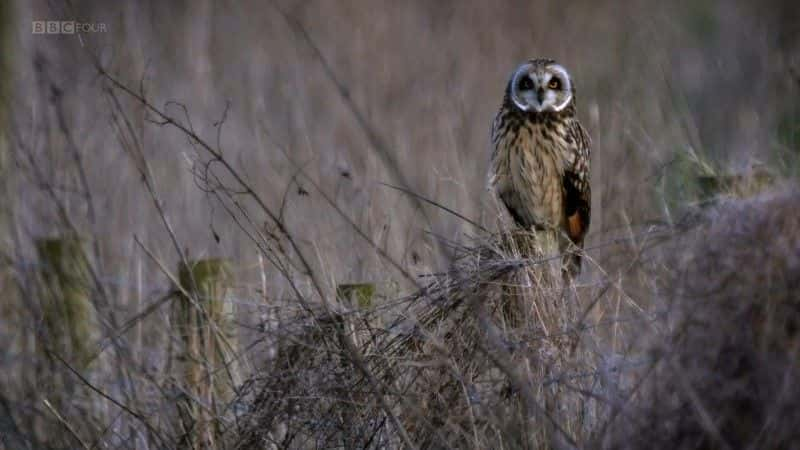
[540, 159]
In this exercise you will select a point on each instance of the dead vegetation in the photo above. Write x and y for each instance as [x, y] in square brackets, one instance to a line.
[328, 160]
[478, 356]
[723, 370]
[493, 353]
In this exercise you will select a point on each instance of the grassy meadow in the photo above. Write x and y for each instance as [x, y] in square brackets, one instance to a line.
[245, 225]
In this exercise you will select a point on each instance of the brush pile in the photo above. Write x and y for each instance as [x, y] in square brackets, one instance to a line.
[486, 354]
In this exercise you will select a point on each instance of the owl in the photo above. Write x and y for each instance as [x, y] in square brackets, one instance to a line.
[540, 156]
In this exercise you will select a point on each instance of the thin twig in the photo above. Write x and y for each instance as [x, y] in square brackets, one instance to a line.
[367, 128]
[65, 423]
[138, 416]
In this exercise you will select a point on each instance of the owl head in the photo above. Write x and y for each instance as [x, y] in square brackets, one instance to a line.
[540, 85]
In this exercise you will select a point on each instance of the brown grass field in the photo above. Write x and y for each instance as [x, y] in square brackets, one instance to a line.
[247, 225]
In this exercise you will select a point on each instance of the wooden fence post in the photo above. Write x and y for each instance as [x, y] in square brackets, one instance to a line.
[356, 295]
[66, 307]
[208, 373]
[358, 298]
[539, 297]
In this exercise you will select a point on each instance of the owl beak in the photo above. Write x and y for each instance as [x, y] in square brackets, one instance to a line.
[539, 105]
[540, 95]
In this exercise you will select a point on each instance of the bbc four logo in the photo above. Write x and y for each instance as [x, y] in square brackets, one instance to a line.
[66, 27]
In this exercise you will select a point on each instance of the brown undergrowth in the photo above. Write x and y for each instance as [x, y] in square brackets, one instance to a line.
[724, 368]
[483, 354]
[498, 352]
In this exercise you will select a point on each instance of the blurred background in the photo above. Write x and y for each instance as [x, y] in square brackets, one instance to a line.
[319, 105]
[355, 95]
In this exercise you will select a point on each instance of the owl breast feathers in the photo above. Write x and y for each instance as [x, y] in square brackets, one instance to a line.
[540, 158]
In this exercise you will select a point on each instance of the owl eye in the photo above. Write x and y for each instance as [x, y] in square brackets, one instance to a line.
[554, 83]
[525, 84]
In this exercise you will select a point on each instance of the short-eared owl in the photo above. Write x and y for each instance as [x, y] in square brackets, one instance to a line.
[540, 160]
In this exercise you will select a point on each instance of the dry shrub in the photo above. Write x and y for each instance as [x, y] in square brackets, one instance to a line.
[485, 355]
[724, 370]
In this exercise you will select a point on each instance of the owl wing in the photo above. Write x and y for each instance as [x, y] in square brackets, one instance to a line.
[496, 169]
[578, 194]
[499, 173]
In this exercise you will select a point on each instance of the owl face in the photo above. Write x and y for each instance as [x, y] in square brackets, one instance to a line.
[541, 86]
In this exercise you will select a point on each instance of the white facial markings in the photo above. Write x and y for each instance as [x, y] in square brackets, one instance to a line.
[521, 71]
[566, 85]
[562, 105]
[528, 99]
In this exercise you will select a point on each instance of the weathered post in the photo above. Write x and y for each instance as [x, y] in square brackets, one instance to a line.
[65, 303]
[207, 370]
[539, 298]
[358, 297]
[519, 304]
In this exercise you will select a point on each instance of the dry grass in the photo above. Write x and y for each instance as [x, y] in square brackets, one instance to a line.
[486, 352]
[267, 134]
[724, 367]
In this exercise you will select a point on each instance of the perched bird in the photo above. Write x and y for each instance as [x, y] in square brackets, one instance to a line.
[540, 158]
